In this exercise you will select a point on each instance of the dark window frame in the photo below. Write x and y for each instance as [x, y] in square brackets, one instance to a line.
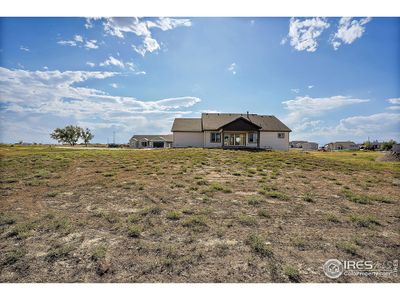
[281, 135]
[252, 134]
[215, 137]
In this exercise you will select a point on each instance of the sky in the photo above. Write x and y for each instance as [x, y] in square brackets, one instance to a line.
[328, 79]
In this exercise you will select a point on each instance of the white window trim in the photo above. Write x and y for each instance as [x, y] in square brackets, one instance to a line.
[281, 137]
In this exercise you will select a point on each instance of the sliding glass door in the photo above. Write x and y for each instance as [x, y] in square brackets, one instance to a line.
[234, 139]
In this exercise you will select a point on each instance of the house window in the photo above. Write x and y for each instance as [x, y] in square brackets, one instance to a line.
[144, 144]
[215, 137]
[281, 135]
[252, 137]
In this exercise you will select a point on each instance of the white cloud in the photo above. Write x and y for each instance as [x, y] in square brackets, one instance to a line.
[303, 107]
[303, 34]
[78, 38]
[91, 44]
[169, 23]
[348, 31]
[55, 94]
[67, 43]
[119, 27]
[113, 61]
[90, 64]
[310, 86]
[114, 85]
[79, 41]
[296, 91]
[26, 49]
[393, 107]
[394, 100]
[232, 68]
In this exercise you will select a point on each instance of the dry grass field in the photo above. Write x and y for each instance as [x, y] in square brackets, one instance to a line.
[193, 215]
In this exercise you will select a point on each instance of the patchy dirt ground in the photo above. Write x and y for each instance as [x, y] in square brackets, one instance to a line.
[193, 215]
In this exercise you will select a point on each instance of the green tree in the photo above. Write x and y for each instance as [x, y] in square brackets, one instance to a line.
[386, 146]
[86, 135]
[70, 134]
[368, 145]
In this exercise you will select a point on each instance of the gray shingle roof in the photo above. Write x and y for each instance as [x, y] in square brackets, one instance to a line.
[154, 137]
[187, 124]
[213, 121]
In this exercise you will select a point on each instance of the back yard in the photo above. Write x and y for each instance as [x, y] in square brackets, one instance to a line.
[193, 215]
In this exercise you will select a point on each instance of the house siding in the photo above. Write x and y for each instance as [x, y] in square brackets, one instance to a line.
[271, 140]
[207, 140]
[188, 139]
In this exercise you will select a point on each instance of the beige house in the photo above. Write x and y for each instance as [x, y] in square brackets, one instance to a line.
[348, 145]
[151, 141]
[225, 130]
[304, 145]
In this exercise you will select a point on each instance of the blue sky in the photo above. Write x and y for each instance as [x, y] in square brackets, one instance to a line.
[326, 78]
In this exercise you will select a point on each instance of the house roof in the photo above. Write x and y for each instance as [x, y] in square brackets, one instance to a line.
[187, 124]
[214, 121]
[344, 143]
[153, 137]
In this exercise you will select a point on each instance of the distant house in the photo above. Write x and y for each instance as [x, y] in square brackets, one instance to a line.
[304, 145]
[347, 145]
[151, 141]
[228, 130]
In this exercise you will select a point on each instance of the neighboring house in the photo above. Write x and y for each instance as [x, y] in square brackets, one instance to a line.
[309, 146]
[348, 145]
[296, 144]
[224, 130]
[151, 141]
[304, 145]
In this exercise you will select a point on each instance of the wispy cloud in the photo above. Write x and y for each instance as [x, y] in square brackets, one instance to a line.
[296, 91]
[232, 68]
[394, 100]
[348, 31]
[26, 49]
[114, 85]
[57, 95]
[79, 41]
[303, 34]
[304, 107]
[112, 61]
[90, 64]
[119, 27]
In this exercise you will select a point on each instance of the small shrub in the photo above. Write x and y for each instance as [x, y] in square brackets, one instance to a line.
[99, 252]
[52, 194]
[332, 218]
[134, 231]
[6, 220]
[13, 256]
[254, 200]
[277, 195]
[292, 273]
[153, 210]
[58, 252]
[257, 245]
[247, 220]
[308, 198]
[133, 218]
[364, 221]
[174, 215]
[263, 213]
[21, 231]
[348, 248]
[195, 222]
